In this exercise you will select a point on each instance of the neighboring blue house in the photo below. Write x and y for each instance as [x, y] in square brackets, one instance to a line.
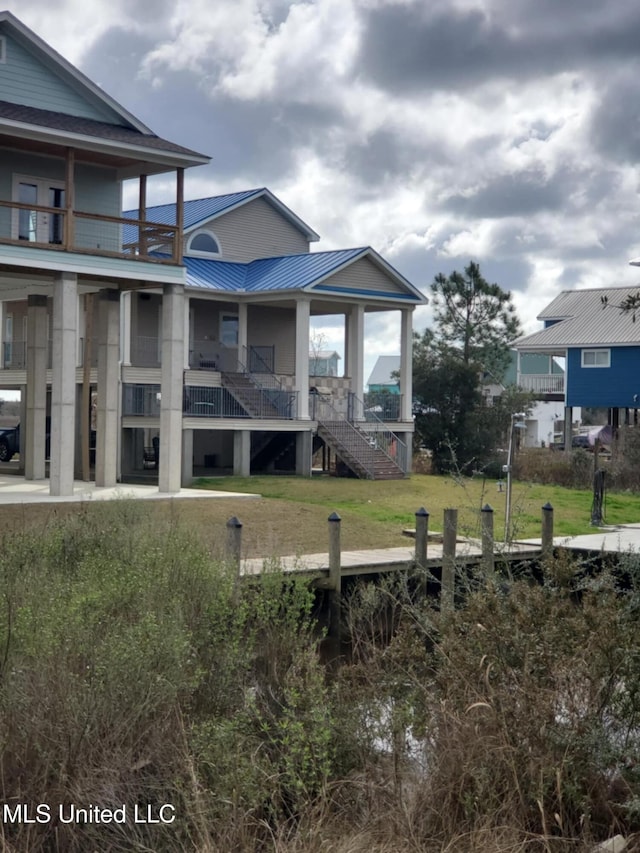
[601, 348]
[385, 375]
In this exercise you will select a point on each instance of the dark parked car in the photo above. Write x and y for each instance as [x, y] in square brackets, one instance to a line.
[10, 442]
[577, 441]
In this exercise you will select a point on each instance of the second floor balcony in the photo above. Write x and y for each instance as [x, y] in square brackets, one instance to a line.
[61, 229]
[542, 383]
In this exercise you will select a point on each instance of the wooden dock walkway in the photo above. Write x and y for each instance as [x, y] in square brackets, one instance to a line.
[377, 561]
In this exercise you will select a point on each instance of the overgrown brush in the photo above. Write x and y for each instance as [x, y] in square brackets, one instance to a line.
[135, 669]
[511, 724]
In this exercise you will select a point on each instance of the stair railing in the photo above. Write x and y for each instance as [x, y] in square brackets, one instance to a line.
[384, 439]
[353, 440]
[270, 391]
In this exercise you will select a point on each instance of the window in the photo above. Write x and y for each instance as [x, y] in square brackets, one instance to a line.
[596, 358]
[203, 243]
[229, 330]
[36, 226]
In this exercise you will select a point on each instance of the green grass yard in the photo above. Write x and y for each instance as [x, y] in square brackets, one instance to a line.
[394, 503]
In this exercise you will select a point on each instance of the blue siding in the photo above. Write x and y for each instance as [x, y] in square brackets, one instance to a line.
[608, 387]
[25, 80]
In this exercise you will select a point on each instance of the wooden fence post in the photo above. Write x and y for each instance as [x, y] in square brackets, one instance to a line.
[488, 546]
[422, 536]
[547, 530]
[449, 538]
[335, 588]
[234, 541]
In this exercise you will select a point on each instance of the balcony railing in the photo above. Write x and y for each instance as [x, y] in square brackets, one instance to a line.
[542, 383]
[385, 406]
[14, 355]
[141, 400]
[89, 233]
[145, 351]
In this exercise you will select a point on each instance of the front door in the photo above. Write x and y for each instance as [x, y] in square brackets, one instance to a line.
[38, 226]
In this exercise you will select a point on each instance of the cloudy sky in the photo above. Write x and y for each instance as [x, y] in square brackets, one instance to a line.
[436, 131]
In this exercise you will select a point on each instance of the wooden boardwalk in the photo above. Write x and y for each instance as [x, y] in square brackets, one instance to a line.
[367, 562]
[621, 539]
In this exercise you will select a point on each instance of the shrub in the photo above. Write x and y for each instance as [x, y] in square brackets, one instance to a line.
[134, 669]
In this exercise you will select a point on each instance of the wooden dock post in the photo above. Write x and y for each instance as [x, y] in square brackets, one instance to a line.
[547, 530]
[234, 541]
[335, 588]
[488, 542]
[449, 538]
[422, 535]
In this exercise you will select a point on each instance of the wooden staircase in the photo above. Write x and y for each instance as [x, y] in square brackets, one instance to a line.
[358, 450]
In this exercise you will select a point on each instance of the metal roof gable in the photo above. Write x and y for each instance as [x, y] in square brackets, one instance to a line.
[303, 272]
[582, 320]
[199, 211]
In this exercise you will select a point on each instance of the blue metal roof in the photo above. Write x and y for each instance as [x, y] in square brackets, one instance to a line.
[295, 272]
[200, 210]
[195, 211]
[215, 275]
[289, 272]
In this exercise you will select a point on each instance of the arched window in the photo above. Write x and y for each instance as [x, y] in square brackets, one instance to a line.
[203, 243]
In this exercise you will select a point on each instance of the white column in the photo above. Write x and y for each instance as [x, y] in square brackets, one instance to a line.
[304, 445]
[63, 383]
[36, 396]
[406, 363]
[241, 453]
[107, 425]
[355, 354]
[243, 335]
[187, 333]
[170, 472]
[125, 328]
[303, 313]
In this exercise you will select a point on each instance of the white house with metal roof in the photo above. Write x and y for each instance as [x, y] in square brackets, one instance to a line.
[600, 345]
[186, 322]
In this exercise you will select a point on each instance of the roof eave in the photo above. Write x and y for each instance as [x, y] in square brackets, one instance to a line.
[160, 156]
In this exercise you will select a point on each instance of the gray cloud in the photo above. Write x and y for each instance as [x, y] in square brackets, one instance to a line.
[512, 195]
[615, 123]
[408, 47]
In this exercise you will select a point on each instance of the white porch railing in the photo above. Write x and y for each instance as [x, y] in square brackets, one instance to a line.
[542, 383]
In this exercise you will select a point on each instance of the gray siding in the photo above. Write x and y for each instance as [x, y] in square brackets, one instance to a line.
[256, 230]
[24, 79]
[366, 276]
[274, 327]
